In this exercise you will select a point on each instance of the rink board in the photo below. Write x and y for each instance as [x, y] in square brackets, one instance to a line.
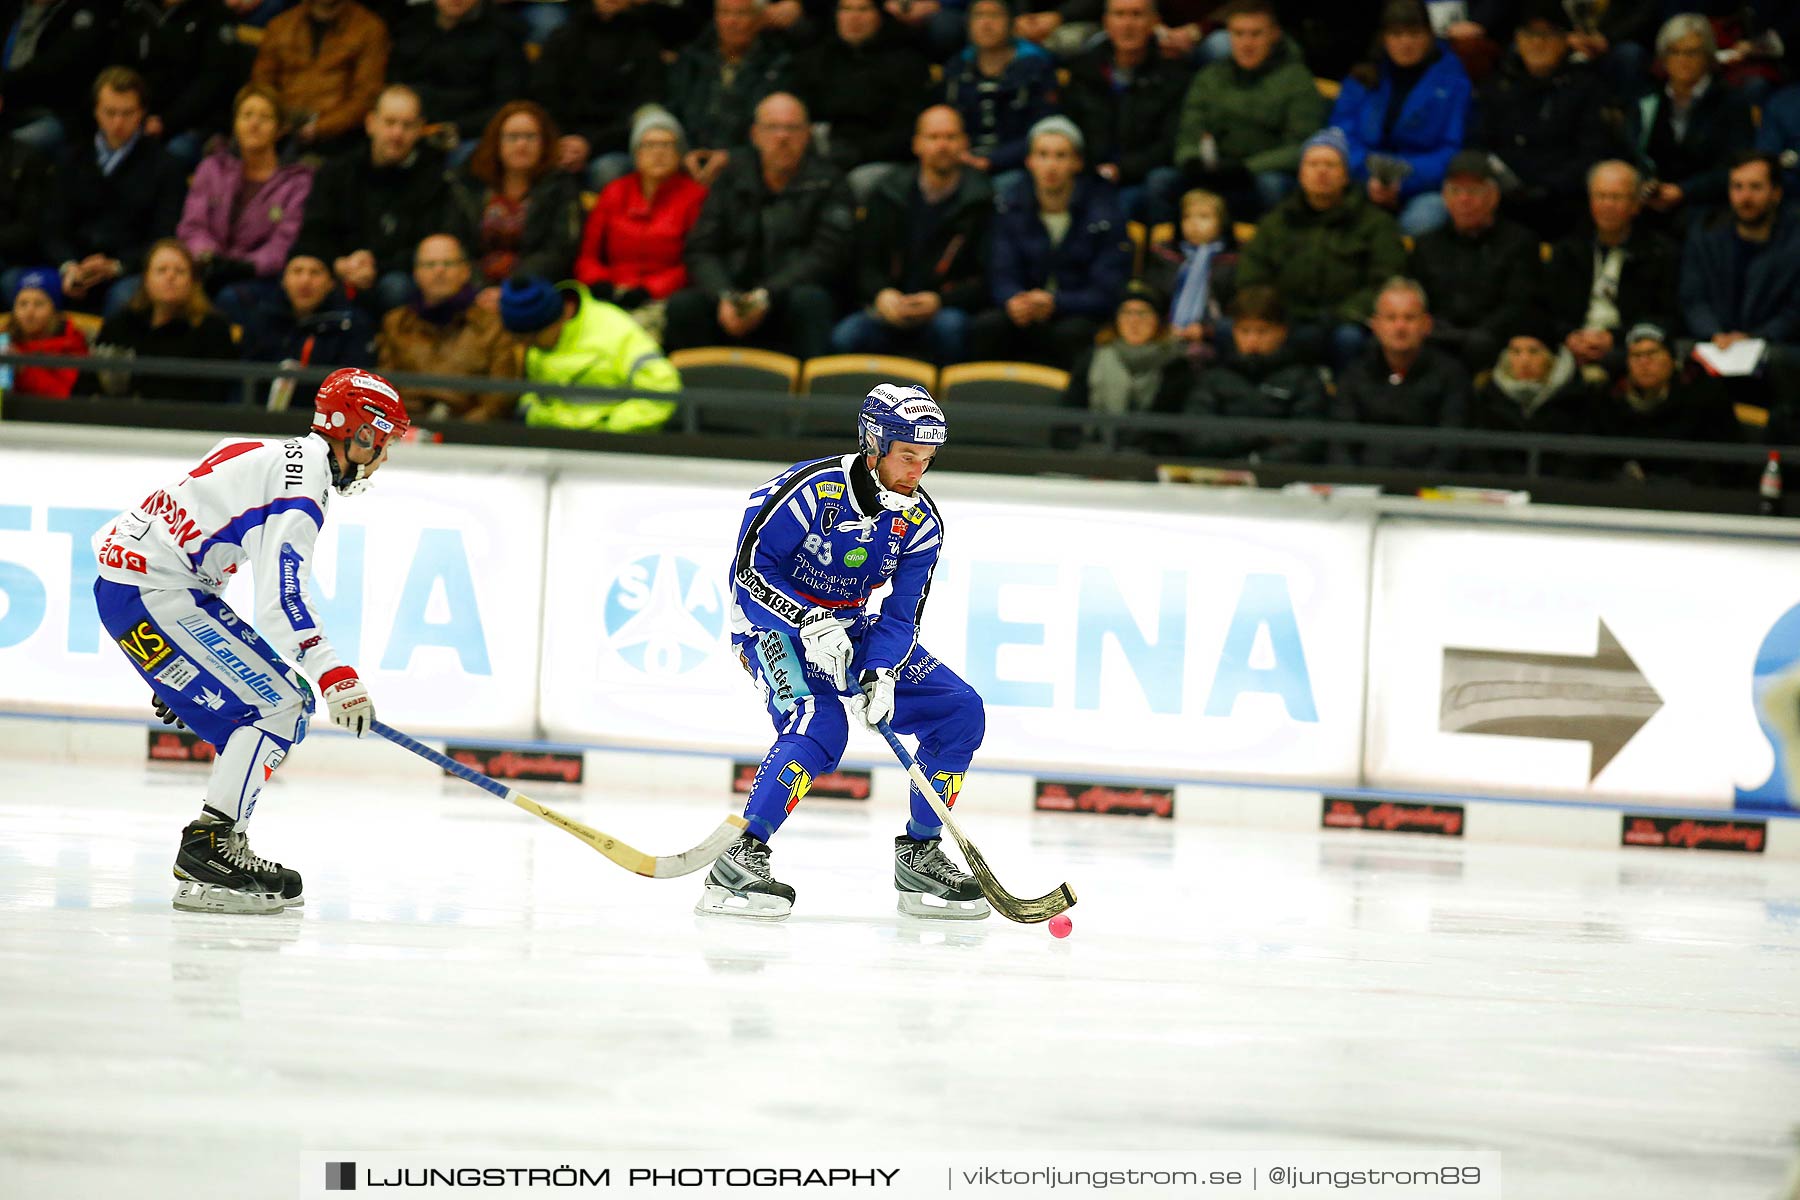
[1123, 631]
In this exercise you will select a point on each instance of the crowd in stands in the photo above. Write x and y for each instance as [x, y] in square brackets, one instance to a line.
[1560, 216]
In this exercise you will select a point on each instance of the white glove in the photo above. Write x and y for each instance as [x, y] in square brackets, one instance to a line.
[347, 700]
[827, 645]
[876, 704]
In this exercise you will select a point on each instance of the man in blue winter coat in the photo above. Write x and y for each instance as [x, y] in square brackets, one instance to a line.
[1061, 258]
[814, 544]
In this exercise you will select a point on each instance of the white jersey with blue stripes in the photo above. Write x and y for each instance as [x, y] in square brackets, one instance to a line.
[248, 501]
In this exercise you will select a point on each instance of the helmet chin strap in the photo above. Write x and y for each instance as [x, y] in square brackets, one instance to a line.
[349, 480]
[890, 500]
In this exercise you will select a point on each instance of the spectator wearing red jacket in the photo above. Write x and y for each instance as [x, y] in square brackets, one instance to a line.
[38, 326]
[631, 251]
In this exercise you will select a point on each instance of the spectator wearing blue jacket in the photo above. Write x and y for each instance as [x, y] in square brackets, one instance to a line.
[1403, 117]
[1002, 86]
[1061, 258]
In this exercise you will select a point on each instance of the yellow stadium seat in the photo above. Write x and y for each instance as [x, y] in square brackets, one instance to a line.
[735, 368]
[1019, 385]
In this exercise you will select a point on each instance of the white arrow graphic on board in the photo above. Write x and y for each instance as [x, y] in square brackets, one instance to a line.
[1602, 699]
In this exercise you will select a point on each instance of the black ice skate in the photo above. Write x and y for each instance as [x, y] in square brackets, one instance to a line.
[219, 874]
[933, 886]
[740, 885]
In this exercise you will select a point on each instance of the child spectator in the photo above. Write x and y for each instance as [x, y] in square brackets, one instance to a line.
[243, 209]
[38, 326]
[1195, 269]
[511, 207]
[1258, 375]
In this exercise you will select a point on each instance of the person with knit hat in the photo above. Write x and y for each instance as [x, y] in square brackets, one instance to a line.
[1138, 366]
[37, 325]
[1060, 256]
[1403, 118]
[572, 339]
[1535, 386]
[1327, 250]
[636, 236]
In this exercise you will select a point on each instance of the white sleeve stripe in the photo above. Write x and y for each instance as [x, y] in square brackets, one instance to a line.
[927, 544]
[812, 504]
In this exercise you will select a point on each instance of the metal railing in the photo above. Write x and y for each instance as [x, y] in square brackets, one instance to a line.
[1107, 433]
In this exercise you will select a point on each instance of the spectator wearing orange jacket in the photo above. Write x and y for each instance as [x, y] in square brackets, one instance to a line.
[327, 81]
[631, 250]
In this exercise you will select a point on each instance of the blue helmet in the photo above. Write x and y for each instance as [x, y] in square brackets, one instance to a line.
[899, 412]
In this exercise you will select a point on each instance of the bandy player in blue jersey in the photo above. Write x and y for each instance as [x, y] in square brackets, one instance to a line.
[163, 570]
[816, 542]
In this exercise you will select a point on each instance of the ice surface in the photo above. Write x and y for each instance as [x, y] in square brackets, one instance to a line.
[1617, 1023]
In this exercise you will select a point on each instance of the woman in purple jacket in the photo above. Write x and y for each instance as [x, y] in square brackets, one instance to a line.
[243, 209]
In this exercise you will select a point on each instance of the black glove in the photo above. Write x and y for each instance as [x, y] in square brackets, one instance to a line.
[632, 297]
[601, 291]
[166, 713]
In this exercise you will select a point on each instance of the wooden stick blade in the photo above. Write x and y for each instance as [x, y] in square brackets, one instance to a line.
[651, 866]
[1013, 908]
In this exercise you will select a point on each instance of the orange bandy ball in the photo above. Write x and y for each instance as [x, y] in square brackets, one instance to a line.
[1060, 925]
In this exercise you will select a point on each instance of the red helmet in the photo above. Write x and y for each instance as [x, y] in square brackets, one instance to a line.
[354, 405]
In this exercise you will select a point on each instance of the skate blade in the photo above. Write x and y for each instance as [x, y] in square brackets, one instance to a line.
[193, 896]
[716, 901]
[936, 908]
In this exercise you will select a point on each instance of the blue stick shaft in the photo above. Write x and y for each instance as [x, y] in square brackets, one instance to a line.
[443, 760]
[899, 747]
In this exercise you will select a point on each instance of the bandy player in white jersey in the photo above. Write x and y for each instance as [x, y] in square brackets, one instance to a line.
[163, 567]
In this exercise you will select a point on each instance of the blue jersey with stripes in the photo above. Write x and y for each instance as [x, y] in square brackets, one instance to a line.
[248, 501]
[815, 537]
